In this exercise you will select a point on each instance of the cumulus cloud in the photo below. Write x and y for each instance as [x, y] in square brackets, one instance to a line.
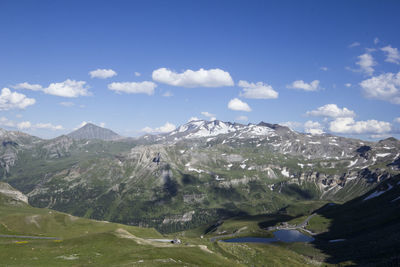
[242, 118]
[167, 127]
[257, 90]
[366, 63]
[384, 87]
[294, 125]
[102, 73]
[68, 88]
[380, 136]
[332, 111]
[324, 68]
[300, 84]
[13, 100]
[313, 127]
[354, 44]
[239, 105]
[4, 122]
[397, 119]
[48, 126]
[392, 54]
[376, 40]
[83, 123]
[190, 78]
[193, 119]
[137, 74]
[133, 87]
[350, 126]
[24, 125]
[28, 125]
[207, 114]
[347, 84]
[28, 86]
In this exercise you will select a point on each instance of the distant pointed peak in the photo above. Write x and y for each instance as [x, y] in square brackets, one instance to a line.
[93, 131]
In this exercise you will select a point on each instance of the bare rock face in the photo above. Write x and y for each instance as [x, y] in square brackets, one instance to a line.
[13, 193]
[91, 131]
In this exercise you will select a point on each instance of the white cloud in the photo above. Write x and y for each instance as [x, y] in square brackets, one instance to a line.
[137, 74]
[207, 114]
[392, 54]
[83, 123]
[257, 90]
[133, 87]
[300, 84]
[28, 125]
[384, 87]
[14, 100]
[380, 136]
[190, 78]
[193, 119]
[324, 68]
[6, 122]
[242, 118]
[167, 94]
[48, 126]
[24, 125]
[102, 73]
[294, 125]
[347, 84]
[397, 119]
[237, 104]
[167, 127]
[28, 86]
[331, 110]
[376, 40]
[366, 63]
[354, 44]
[313, 127]
[350, 126]
[67, 104]
[68, 88]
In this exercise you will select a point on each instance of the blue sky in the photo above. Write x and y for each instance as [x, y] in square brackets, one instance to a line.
[317, 66]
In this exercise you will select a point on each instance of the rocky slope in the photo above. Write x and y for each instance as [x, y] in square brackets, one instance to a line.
[91, 131]
[199, 172]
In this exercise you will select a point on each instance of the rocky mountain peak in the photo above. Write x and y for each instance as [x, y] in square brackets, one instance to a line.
[92, 131]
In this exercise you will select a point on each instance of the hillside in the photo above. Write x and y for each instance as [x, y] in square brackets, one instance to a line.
[42, 237]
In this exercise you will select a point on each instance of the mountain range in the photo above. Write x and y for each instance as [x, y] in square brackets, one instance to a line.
[201, 172]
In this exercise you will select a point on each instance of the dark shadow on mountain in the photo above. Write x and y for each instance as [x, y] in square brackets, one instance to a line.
[188, 179]
[295, 190]
[364, 232]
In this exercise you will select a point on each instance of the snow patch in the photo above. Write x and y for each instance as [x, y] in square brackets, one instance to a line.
[352, 163]
[285, 172]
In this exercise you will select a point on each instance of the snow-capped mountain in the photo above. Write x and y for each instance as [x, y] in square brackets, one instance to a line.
[201, 128]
